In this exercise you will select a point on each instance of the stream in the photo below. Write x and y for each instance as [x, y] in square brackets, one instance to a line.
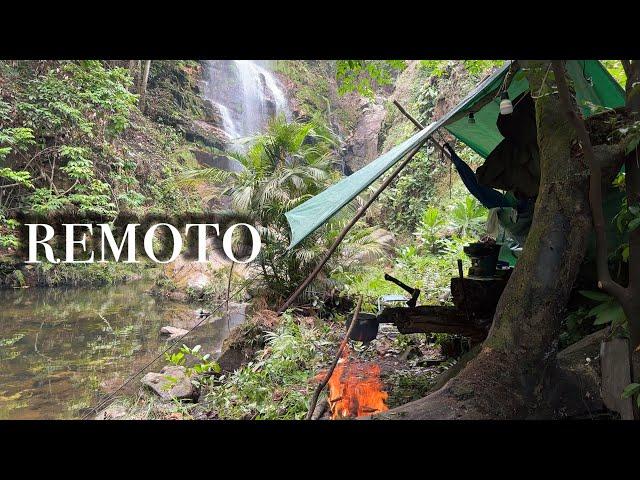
[62, 349]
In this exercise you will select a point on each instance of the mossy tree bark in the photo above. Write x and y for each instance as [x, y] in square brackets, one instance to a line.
[510, 377]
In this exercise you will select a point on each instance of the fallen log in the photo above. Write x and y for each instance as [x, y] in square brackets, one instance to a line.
[436, 319]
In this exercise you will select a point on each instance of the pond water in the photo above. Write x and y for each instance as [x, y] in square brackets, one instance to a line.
[62, 349]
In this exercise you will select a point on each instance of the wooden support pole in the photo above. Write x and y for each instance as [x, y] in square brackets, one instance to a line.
[327, 376]
[348, 227]
[408, 115]
[419, 126]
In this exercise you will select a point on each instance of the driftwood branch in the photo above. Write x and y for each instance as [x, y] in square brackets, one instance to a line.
[325, 380]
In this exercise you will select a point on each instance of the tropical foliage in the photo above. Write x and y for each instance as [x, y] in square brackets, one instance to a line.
[364, 76]
[468, 216]
[282, 168]
[277, 384]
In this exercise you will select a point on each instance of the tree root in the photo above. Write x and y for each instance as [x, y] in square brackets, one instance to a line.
[485, 390]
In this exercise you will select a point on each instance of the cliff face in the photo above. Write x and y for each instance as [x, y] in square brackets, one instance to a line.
[312, 91]
[368, 127]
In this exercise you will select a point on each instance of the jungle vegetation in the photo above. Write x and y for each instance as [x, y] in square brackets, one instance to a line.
[112, 138]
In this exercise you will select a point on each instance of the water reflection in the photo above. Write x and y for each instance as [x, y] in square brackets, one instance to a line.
[61, 349]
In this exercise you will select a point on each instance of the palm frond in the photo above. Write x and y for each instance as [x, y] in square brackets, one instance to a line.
[211, 175]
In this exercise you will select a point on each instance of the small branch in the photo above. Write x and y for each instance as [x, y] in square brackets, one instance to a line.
[325, 380]
[320, 409]
[70, 188]
[229, 294]
[605, 282]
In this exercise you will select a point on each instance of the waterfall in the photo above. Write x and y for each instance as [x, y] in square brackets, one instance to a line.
[246, 94]
[228, 124]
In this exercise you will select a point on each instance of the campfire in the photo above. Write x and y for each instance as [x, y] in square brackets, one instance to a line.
[355, 388]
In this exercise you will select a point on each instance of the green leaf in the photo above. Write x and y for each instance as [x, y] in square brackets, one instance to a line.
[631, 390]
[633, 144]
[21, 177]
[594, 295]
[610, 312]
[4, 151]
[625, 253]
[633, 224]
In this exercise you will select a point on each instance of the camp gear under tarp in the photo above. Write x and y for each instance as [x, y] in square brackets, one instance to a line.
[514, 165]
[593, 86]
[487, 196]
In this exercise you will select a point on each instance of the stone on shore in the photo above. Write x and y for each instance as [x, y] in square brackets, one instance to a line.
[172, 382]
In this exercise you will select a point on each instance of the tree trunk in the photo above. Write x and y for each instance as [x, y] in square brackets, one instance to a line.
[632, 169]
[508, 377]
[143, 84]
[132, 72]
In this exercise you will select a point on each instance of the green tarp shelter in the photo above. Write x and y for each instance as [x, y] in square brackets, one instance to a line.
[594, 86]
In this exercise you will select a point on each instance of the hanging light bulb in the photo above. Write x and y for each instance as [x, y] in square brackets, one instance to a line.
[506, 107]
[472, 118]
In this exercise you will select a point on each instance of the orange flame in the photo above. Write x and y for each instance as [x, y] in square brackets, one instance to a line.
[355, 389]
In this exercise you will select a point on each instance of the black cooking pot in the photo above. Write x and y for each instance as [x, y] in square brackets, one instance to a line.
[366, 328]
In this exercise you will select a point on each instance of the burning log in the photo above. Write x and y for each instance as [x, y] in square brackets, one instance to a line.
[341, 349]
[355, 389]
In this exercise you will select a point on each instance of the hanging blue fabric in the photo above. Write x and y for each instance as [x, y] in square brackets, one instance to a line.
[487, 196]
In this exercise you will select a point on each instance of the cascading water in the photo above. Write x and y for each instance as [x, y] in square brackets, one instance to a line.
[246, 95]
[227, 121]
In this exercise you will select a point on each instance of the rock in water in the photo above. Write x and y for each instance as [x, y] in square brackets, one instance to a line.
[173, 332]
[172, 382]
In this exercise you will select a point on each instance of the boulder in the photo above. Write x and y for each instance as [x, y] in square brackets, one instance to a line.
[173, 332]
[242, 344]
[172, 382]
[221, 162]
[186, 273]
[205, 133]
